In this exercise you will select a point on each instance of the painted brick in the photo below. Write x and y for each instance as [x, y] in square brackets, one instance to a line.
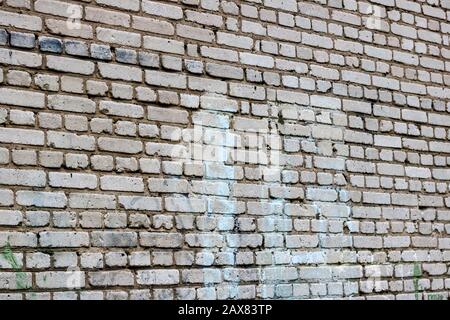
[207, 149]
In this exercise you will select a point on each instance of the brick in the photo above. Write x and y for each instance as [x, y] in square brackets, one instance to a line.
[282, 273]
[120, 145]
[406, 58]
[356, 106]
[111, 278]
[386, 83]
[153, 25]
[208, 85]
[6, 197]
[356, 77]
[317, 41]
[72, 180]
[63, 239]
[62, 140]
[18, 239]
[119, 72]
[8, 281]
[76, 48]
[41, 199]
[219, 54]
[346, 17]
[256, 60]
[441, 174]
[158, 277]
[119, 37]
[117, 239]
[22, 40]
[204, 18]
[206, 276]
[35, 178]
[19, 58]
[306, 241]
[168, 185]
[21, 21]
[218, 103]
[71, 103]
[140, 203]
[101, 52]
[121, 183]
[160, 240]
[57, 8]
[292, 97]
[372, 242]
[388, 141]
[107, 17]
[127, 110]
[165, 79]
[284, 33]
[61, 27]
[329, 163]
[153, 169]
[404, 199]
[325, 102]
[247, 91]
[163, 45]
[60, 279]
[10, 217]
[194, 33]
[379, 53]
[232, 40]
[321, 194]
[220, 70]
[396, 242]
[175, 204]
[132, 5]
[325, 73]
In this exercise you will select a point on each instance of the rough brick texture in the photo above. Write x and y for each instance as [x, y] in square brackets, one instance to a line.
[223, 149]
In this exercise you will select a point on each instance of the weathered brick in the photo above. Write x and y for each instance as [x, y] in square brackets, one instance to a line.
[22, 136]
[60, 279]
[61, 27]
[162, 9]
[113, 239]
[140, 203]
[121, 183]
[119, 37]
[91, 201]
[71, 103]
[22, 98]
[111, 278]
[35, 178]
[164, 79]
[70, 65]
[158, 277]
[66, 140]
[121, 109]
[119, 145]
[160, 240]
